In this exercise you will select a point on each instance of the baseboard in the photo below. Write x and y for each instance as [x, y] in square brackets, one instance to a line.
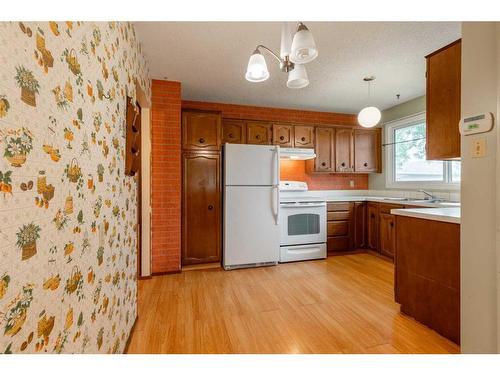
[202, 266]
[165, 273]
[127, 344]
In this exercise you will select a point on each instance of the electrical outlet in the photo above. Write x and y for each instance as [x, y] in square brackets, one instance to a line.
[478, 149]
[351, 183]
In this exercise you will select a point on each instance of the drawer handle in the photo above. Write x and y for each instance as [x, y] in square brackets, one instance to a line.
[210, 207]
[303, 139]
[282, 138]
[365, 164]
[201, 140]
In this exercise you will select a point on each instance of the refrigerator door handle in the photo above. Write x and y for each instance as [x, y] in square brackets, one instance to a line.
[277, 185]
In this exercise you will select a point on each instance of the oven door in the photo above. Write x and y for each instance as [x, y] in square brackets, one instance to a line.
[302, 223]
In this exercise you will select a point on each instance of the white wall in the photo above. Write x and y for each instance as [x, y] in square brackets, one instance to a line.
[479, 192]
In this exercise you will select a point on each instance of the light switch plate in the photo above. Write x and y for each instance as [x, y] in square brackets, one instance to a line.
[478, 149]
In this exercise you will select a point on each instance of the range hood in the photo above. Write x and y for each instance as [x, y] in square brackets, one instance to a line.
[297, 153]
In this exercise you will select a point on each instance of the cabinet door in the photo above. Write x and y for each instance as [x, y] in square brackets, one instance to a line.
[443, 102]
[304, 136]
[367, 150]
[201, 130]
[359, 225]
[387, 234]
[372, 225]
[259, 133]
[324, 161]
[201, 208]
[234, 131]
[283, 135]
[344, 158]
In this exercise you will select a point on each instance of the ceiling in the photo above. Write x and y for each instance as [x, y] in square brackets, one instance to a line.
[210, 60]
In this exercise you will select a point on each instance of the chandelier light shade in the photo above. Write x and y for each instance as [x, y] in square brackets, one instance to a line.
[297, 78]
[303, 47]
[257, 68]
[369, 117]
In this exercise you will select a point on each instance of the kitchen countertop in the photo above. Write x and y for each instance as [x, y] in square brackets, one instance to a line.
[411, 202]
[445, 214]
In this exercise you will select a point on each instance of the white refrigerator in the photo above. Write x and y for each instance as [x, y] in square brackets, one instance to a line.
[251, 206]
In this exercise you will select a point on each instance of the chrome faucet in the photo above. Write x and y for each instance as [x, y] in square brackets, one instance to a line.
[430, 196]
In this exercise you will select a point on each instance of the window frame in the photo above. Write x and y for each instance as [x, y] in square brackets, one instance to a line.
[389, 154]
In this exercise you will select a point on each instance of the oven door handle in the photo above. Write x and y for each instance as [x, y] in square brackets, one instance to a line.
[302, 205]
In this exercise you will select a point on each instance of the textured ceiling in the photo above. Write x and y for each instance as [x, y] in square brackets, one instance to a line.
[210, 60]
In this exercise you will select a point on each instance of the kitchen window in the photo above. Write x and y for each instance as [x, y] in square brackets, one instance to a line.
[406, 162]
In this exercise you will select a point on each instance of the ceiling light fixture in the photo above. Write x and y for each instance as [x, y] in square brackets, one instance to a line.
[369, 116]
[293, 54]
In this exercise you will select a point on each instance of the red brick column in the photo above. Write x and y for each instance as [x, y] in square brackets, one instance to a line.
[166, 176]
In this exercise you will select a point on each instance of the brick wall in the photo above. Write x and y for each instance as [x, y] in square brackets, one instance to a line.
[166, 176]
[293, 170]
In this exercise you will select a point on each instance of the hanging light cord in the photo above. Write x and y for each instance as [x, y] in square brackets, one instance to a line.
[409, 140]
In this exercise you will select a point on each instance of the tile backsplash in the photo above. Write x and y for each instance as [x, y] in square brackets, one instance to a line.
[67, 211]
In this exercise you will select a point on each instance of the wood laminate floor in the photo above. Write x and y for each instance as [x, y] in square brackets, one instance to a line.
[344, 304]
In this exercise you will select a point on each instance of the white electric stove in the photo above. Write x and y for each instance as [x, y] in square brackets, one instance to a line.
[302, 223]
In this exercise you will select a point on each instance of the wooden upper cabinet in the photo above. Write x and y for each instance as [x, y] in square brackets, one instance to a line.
[201, 208]
[259, 133]
[367, 150]
[344, 150]
[443, 102]
[324, 161]
[387, 239]
[283, 135]
[304, 136]
[234, 131]
[201, 130]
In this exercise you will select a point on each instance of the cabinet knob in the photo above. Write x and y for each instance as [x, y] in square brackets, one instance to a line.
[210, 207]
[201, 140]
[323, 164]
[303, 139]
[343, 164]
[365, 164]
[282, 138]
[257, 136]
[372, 216]
[392, 224]
[230, 135]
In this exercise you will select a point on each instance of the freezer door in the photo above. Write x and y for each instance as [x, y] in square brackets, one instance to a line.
[251, 229]
[251, 165]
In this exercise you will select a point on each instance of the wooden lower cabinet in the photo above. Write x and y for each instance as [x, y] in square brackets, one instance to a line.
[372, 222]
[387, 241]
[427, 273]
[359, 225]
[201, 207]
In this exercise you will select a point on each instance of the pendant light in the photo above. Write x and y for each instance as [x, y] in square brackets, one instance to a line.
[302, 46]
[369, 116]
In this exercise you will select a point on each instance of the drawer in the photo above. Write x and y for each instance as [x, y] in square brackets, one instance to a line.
[338, 215]
[385, 208]
[337, 228]
[336, 244]
[338, 206]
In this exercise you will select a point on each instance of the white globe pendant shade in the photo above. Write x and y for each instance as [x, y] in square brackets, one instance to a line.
[303, 47]
[369, 117]
[297, 78]
[257, 68]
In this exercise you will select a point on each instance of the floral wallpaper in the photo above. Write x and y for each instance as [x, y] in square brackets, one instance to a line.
[67, 211]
